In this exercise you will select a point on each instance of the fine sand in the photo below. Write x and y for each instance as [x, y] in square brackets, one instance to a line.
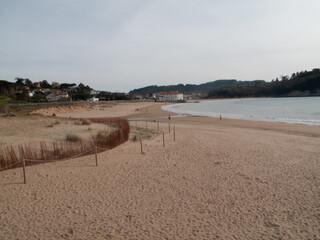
[100, 110]
[220, 179]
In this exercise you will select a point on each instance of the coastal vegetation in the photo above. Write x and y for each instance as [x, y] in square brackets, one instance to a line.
[192, 88]
[305, 83]
[110, 132]
[24, 90]
[144, 133]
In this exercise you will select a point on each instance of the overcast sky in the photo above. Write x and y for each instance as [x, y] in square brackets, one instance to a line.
[119, 45]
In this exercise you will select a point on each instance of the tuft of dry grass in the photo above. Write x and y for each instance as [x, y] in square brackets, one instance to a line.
[86, 122]
[134, 138]
[144, 133]
[73, 138]
[82, 122]
[56, 122]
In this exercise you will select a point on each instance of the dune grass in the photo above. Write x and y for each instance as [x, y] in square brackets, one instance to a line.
[11, 157]
[73, 138]
[144, 133]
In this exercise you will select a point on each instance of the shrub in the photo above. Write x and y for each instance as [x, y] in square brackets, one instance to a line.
[73, 138]
[82, 122]
[77, 122]
[134, 138]
[86, 122]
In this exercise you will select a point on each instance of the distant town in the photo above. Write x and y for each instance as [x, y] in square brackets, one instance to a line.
[304, 83]
[24, 90]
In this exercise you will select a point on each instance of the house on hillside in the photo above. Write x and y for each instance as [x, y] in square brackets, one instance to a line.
[52, 97]
[36, 84]
[93, 99]
[58, 96]
[170, 96]
[30, 93]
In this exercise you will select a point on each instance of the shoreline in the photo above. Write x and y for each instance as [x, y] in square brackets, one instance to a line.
[157, 111]
[250, 117]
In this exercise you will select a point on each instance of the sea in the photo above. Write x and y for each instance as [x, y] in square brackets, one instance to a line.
[298, 110]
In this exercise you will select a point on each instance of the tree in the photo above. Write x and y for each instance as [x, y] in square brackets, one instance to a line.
[19, 81]
[27, 82]
[55, 85]
[284, 78]
[45, 84]
[22, 96]
[83, 92]
[4, 92]
[67, 85]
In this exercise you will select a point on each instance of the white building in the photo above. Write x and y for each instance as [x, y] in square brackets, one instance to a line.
[170, 96]
[30, 94]
[93, 99]
[53, 97]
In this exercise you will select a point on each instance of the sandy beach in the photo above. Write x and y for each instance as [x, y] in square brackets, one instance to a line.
[219, 179]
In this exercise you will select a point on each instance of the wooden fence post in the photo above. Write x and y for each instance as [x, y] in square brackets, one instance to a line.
[174, 133]
[24, 170]
[163, 138]
[158, 126]
[141, 145]
[96, 154]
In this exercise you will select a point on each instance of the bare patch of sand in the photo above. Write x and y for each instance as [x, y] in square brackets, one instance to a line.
[100, 110]
[219, 180]
[49, 111]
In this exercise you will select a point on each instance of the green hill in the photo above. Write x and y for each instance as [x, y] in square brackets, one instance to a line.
[194, 88]
[305, 83]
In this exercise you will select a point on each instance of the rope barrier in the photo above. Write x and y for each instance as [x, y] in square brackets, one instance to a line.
[33, 160]
[104, 149]
[44, 161]
[51, 160]
[55, 160]
[10, 166]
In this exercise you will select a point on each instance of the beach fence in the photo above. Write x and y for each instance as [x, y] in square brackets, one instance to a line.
[27, 154]
[24, 161]
[156, 126]
[152, 125]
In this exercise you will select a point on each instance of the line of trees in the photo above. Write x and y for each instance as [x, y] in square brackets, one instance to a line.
[305, 83]
[194, 88]
[20, 89]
